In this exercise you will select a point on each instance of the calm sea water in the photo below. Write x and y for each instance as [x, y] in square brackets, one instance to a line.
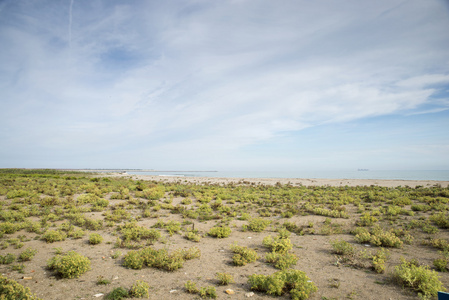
[371, 174]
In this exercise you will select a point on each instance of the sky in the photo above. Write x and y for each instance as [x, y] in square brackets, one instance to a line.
[232, 85]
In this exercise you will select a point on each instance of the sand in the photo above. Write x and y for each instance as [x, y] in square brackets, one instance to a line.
[284, 181]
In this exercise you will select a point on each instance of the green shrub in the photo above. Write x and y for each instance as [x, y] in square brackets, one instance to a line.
[7, 259]
[341, 247]
[366, 220]
[441, 220]
[95, 238]
[27, 255]
[208, 292]
[69, 265]
[419, 278]
[441, 264]
[140, 289]
[379, 259]
[192, 236]
[225, 278]
[281, 261]
[118, 293]
[243, 255]
[102, 281]
[277, 244]
[191, 287]
[51, 236]
[220, 232]
[11, 290]
[257, 225]
[159, 259]
[294, 282]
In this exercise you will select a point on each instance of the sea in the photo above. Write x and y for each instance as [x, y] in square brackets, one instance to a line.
[440, 175]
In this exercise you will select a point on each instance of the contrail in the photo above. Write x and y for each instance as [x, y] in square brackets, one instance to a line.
[70, 24]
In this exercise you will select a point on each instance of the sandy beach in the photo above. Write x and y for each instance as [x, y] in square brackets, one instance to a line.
[284, 181]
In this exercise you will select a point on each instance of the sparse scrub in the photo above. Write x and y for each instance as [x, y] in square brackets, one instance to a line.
[257, 225]
[140, 289]
[11, 290]
[27, 255]
[341, 247]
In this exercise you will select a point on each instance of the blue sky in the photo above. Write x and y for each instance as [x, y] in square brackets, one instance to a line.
[225, 85]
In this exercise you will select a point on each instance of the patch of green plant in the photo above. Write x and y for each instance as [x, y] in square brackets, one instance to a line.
[11, 290]
[281, 261]
[224, 278]
[133, 232]
[366, 219]
[256, 225]
[192, 236]
[220, 232]
[95, 239]
[441, 220]
[118, 293]
[27, 255]
[208, 292]
[159, 259]
[290, 281]
[7, 259]
[378, 237]
[419, 278]
[69, 265]
[441, 264]
[190, 287]
[140, 289]
[19, 268]
[277, 244]
[243, 255]
[172, 226]
[102, 281]
[292, 227]
[51, 236]
[342, 247]
[379, 259]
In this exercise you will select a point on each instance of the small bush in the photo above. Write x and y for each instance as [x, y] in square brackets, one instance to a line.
[277, 244]
[441, 264]
[11, 290]
[140, 289]
[379, 260]
[257, 225]
[243, 255]
[191, 287]
[341, 247]
[418, 278]
[225, 278]
[118, 293]
[294, 282]
[95, 239]
[102, 281]
[27, 255]
[208, 292]
[220, 232]
[281, 261]
[69, 265]
[192, 236]
[51, 236]
[7, 259]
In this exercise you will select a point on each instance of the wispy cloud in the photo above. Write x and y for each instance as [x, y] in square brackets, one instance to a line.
[211, 79]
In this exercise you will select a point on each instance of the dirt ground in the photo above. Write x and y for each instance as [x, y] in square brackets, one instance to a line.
[333, 279]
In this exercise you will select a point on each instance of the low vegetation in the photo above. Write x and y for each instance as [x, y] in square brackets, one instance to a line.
[141, 224]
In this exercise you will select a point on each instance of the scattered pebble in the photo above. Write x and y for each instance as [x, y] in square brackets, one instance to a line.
[230, 292]
[27, 278]
[247, 295]
[115, 278]
[250, 237]
[173, 291]
[98, 295]
[367, 245]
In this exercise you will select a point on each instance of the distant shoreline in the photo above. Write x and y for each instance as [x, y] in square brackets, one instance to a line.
[284, 181]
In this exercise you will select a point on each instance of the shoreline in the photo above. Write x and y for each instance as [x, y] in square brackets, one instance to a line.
[284, 181]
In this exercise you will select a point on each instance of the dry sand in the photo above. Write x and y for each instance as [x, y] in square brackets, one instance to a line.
[283, 181]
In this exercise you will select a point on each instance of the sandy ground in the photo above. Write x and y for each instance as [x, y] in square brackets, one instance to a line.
[292, 181]
[334, 281]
